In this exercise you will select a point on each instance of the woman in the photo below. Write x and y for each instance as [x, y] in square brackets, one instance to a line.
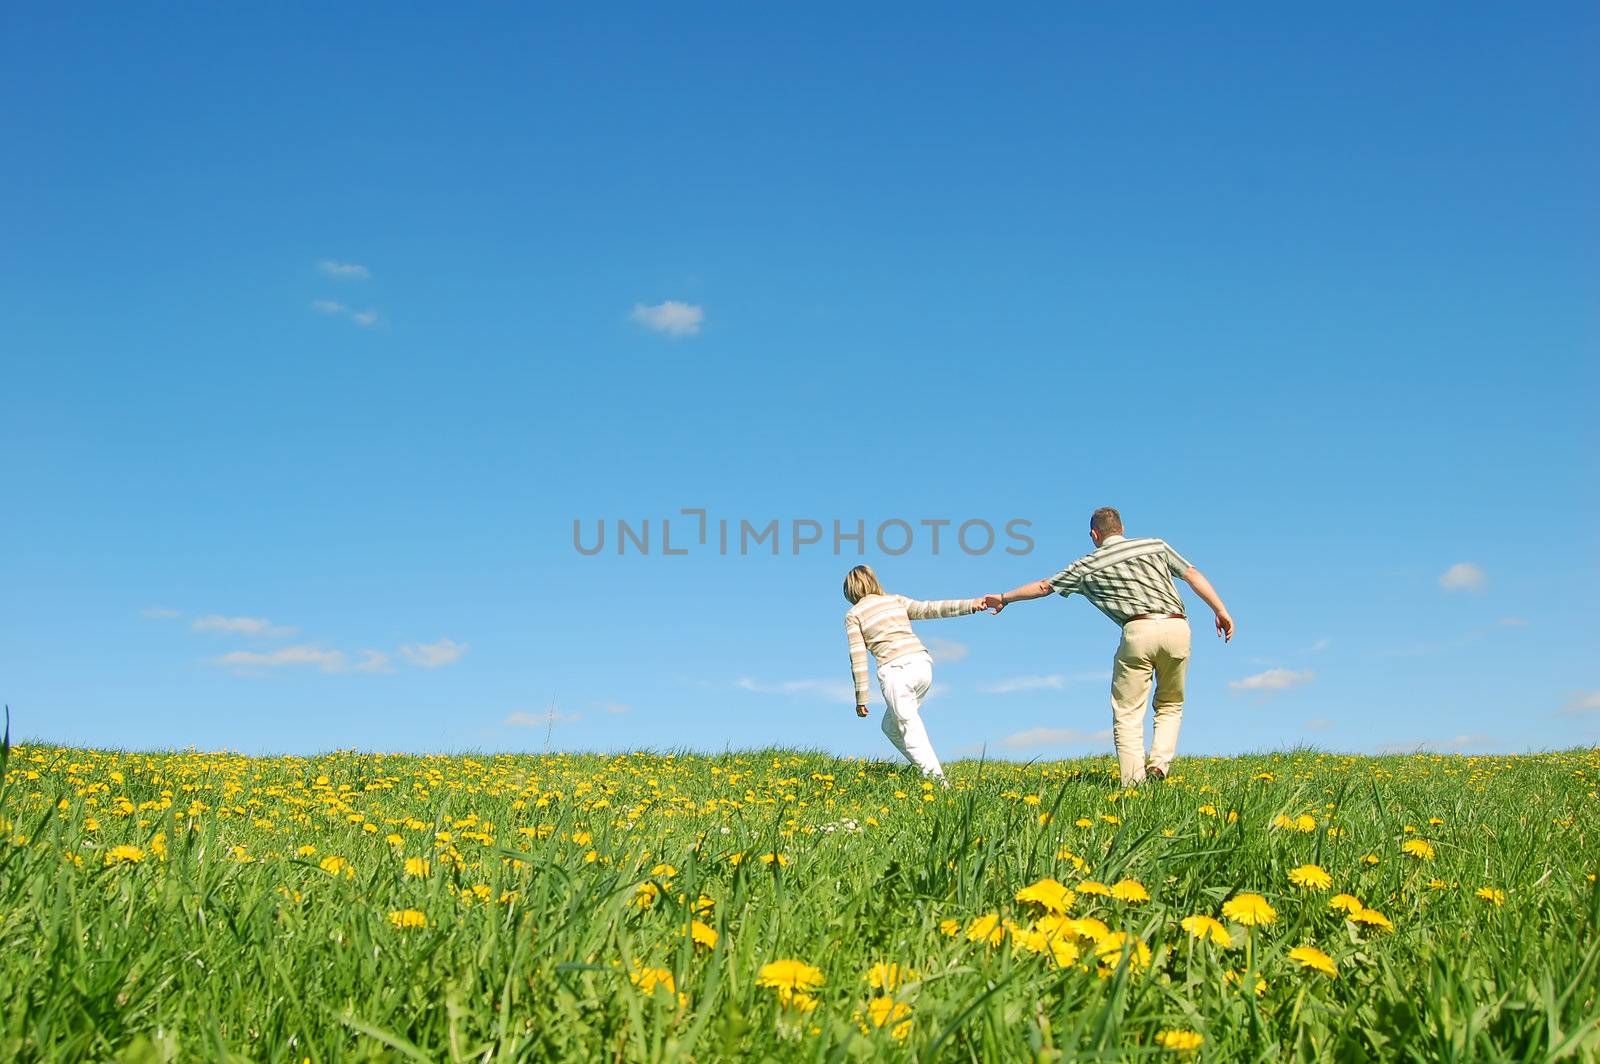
[881, 623]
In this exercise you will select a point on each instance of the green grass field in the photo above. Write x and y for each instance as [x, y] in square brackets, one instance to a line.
[184, 906]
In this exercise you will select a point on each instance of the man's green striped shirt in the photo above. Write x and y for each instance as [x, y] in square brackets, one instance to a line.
[1125, 578]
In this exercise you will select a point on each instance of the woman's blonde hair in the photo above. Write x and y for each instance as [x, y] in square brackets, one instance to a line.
[861, 582]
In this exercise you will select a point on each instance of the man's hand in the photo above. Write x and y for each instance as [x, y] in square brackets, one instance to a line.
[861, 711]
[1224, 625]
[992, 603]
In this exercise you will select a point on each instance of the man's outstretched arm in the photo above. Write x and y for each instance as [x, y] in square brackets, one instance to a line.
[1034, 590]
[1202, 587]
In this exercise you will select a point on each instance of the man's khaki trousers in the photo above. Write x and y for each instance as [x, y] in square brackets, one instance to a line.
[1156, 648]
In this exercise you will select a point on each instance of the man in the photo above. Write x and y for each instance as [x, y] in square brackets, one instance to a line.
[1130, 581]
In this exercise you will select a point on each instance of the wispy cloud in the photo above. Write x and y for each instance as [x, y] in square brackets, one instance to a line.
[1040, 738]
[1318, 725]
[1054, 681]
[335, 309]
[521, 719]
[434, 655]
[946, 651]
[615, 709]
[345, 271]
[1463, 576]
[1454, 744]
[839, 692]
[160, 613]
[248, 662]
[1273, 680]
[372, 661]
[671, 317]
[1319, 646]
[255, 626]
[1582, 702]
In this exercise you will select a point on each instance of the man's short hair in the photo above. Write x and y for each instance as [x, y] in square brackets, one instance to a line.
[1106, 521]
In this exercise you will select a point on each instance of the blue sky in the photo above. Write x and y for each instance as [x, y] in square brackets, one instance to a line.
[319, 328]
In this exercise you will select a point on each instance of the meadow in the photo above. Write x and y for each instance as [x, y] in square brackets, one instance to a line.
[795, 906]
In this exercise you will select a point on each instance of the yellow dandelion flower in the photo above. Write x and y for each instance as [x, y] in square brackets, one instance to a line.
[1369, 858]
[770, 858]
[796, 1000]
[1418, 848]
[305, 851]
[703, 934]
[417, 867]
[1083, 822]
[1438, 884]
[648, 979]
[1111, 949]
[1089, 886]
[406, 919]
[1088, 927]
[949, 928]
[337, 866]
[1234, 978]
[887, 1012]
[1371, 918]
[888, 976]
[1180, 1041]
[1130, 890]
[986, 929]
[789, 975]
[1251, 910]
[1048, 894]
[124, 855]
[1204, 927]
[1493, 895]
[1347, 902]
[1311, 877]
[1315, 959]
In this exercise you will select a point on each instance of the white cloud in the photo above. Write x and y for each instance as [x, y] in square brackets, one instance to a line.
[333, 308]
[372, 661]
[521, 719]
[1318, 725]
[1463, 576]
[1320, 645]
[157, 613]
[1034, 738]
[1583, 702]
[1273, 680]
[345, 271]
[434, 655]
[257, 626]
[671, 317]
[946, 651]
[1454, 744]
[839, 692]
[248, 661]
[1054, 681]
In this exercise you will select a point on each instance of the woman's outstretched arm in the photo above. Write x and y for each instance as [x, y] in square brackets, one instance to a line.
[934, 609]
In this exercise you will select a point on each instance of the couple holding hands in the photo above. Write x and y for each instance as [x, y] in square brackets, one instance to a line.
[1128, 580]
